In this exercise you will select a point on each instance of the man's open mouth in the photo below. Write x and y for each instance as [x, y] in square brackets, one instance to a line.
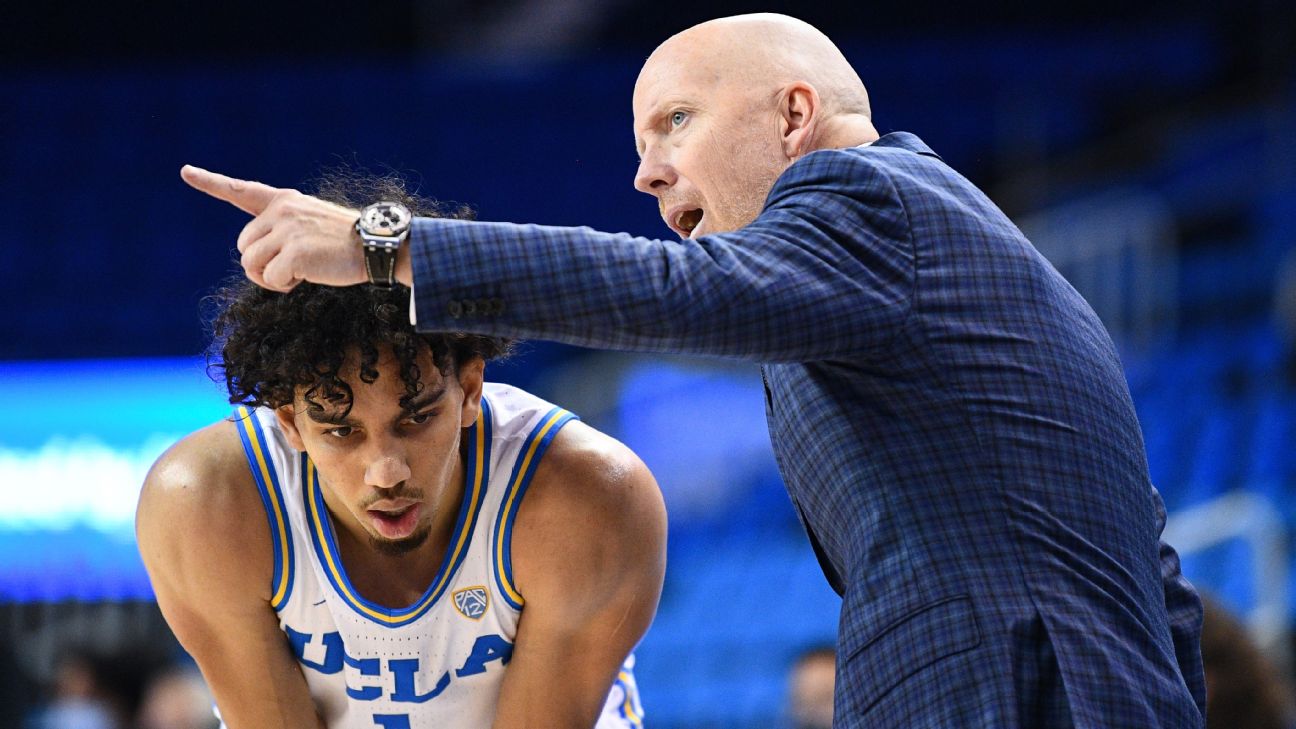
[688, 220]
[395, 523]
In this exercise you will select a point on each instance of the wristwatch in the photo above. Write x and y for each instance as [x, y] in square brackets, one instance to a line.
[383, 227]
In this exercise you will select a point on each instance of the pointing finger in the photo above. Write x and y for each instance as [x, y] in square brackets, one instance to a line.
[246, 195]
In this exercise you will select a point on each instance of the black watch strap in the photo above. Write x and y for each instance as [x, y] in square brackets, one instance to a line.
[380, 265]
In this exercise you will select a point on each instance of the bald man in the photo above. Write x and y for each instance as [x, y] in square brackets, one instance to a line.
[950, 417]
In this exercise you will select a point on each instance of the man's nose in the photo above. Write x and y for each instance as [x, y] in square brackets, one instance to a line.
[388, 468]
[654, 175]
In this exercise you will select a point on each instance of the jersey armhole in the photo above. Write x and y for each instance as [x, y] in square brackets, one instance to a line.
[533, 448]
[255, 447]
[629, 707]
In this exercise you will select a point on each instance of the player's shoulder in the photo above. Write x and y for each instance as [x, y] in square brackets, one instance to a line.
[201, 492]
[588, 479]
[592, 502]
[580, 453]
[206, 467]
[207, 551]
[581, 470]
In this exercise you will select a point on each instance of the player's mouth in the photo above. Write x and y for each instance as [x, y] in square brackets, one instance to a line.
[396, 523]
[685, 221]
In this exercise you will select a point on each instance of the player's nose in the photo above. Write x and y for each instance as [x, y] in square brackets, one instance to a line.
[387, 470]
[654, 174]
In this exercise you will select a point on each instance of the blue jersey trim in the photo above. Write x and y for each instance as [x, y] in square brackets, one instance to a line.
[524, 467]
[631, 708]
[255, 447]
[476, 478]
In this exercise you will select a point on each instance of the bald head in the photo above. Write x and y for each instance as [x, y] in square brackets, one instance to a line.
[763, 50]
[721, 109]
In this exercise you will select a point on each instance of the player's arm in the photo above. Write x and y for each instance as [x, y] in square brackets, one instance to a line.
[589, 554]
[206, 544]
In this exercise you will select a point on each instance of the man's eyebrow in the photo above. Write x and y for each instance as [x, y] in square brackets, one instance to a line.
[343, 417]
[329, 417]
[427, 399]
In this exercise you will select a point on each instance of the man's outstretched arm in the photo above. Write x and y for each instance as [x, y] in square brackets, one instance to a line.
[826, 271]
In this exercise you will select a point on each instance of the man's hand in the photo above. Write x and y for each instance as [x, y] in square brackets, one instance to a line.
[292, 237]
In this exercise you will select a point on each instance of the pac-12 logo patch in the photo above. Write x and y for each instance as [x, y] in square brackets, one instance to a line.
[471, 602]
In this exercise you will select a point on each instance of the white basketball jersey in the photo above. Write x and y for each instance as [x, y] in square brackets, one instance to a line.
[439, 662]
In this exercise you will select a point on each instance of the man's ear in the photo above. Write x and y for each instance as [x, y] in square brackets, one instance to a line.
[471, 374]
[288, 426]
[799, 110]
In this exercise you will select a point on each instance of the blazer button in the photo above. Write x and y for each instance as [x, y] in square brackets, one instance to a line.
[455, 309]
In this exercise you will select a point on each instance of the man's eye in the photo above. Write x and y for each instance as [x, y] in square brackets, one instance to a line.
[421, 418]
[340, 431]
[678, 118]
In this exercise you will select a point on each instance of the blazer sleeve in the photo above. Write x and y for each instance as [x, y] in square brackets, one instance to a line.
[825, 272]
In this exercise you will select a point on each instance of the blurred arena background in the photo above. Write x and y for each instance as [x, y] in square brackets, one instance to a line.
[1149, 149]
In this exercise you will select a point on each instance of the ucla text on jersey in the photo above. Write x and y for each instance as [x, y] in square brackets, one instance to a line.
[402, 674]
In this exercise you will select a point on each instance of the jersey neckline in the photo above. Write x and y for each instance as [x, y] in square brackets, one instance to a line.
[476, 478]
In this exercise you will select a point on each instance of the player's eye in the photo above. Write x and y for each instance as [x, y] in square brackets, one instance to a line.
[421, 418]
[341, 431]
[678, 118]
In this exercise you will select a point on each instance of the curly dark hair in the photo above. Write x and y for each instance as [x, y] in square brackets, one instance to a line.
[266, 344]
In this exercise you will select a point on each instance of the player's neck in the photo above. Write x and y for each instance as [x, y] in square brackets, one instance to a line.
[398, 581]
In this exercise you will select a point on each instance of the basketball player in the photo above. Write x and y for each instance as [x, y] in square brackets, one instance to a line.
[440, 551]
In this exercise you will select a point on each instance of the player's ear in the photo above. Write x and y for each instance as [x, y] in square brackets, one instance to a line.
[288, 426]
[471, 374]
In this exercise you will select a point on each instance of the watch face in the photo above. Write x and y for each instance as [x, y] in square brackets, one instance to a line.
[385, 218]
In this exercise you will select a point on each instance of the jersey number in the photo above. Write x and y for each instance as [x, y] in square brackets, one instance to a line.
[392, 721]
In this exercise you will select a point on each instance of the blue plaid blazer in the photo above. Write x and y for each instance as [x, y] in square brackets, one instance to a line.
[950, 417]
